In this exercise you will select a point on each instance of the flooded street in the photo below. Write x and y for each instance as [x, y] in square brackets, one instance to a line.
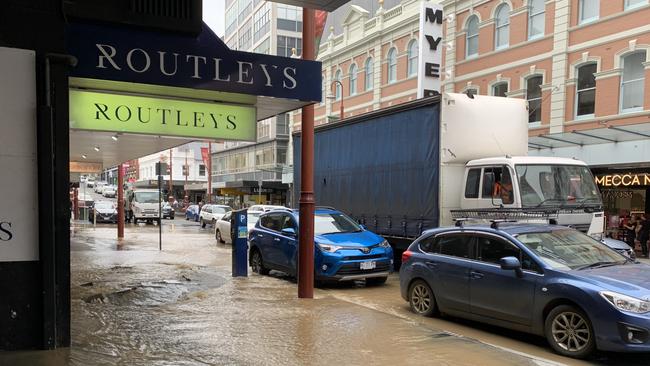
[135, 305]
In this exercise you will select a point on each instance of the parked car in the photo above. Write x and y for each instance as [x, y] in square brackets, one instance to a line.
[222, 229]
[109, 191]
[547, 280]
[192, 213]
[85, 200]
[99, 186]
[90, 183]
[209, 214]
[264, 208]
[344, 250]
[168, 211]
[105, 210]
[620, 246]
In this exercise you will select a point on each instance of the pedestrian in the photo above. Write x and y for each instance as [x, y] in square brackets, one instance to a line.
[630, 231]
[644, 234]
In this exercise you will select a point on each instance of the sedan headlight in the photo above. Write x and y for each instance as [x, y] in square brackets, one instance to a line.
[384, 244]
[626, 303]
[329, 248]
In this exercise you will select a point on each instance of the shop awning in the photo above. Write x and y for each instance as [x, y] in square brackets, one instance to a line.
[606, 134]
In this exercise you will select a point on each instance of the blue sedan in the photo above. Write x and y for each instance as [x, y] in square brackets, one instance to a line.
[344, 250]
[547, 280]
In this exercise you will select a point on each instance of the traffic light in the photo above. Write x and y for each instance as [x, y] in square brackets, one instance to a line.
[186, 170]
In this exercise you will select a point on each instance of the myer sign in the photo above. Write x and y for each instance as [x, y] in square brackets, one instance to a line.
[160, 116]
[18, 181]
[430, 54]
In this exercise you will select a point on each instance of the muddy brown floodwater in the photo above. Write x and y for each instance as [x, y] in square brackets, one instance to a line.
[135, 305]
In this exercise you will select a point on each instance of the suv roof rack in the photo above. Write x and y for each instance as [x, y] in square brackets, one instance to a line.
[499, 215]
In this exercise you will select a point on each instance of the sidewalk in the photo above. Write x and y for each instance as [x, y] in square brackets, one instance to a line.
[132, 304]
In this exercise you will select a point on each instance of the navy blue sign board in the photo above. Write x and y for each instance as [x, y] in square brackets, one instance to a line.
[203, 62]
[239, 236]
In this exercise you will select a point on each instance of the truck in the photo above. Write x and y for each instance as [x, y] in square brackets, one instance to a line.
[142, 205]
[422, 164]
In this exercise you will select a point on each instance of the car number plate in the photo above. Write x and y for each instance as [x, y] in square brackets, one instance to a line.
[368, 265]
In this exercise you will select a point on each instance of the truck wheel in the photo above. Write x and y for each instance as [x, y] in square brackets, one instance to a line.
[569, 332]
[135, 221]
[158, 222]
[376, 281]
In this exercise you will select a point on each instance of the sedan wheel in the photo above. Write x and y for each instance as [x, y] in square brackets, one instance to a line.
[219, 239]
[421, 298]
[569, 332]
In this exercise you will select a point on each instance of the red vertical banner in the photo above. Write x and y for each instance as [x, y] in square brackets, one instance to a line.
[205, 154]
[320, 20]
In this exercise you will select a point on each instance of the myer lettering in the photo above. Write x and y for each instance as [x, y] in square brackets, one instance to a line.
[156, 116]
[430, 52]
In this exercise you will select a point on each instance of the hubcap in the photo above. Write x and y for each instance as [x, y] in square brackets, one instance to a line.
[421, 298]
[571, 332]
[257, 265]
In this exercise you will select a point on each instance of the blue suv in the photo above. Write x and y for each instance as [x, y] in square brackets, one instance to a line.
[547, 280]
[344, 250]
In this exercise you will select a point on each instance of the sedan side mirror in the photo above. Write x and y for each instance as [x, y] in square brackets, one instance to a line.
[511, 264]
[289, 231]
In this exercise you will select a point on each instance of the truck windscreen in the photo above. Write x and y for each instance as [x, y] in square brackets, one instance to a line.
[557, 186]
[146, 197]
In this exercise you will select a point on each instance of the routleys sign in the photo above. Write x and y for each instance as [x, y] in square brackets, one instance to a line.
[160, 116]
[204, 62]
[430, 50]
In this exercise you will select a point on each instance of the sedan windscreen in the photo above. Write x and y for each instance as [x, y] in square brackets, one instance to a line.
[333, 223]
[570, 249]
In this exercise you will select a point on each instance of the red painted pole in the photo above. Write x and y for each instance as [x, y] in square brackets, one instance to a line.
[306, 234]
[209, 172]
[120, 201]
[171, 177]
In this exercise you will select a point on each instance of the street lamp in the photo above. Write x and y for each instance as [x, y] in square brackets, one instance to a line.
[334, 97]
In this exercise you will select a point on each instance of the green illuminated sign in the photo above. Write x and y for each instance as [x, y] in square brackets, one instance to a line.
[162, 117]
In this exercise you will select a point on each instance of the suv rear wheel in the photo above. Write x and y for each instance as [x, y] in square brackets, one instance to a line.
[421, 298]
[257, 263]
[569, 332]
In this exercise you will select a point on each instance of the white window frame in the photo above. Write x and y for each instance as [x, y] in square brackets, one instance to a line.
[541, 97]
[370, 74]
[623, 82]
[412, 63]
[497, 26]
[629, 6]
[531, 15]
[469, 36]
[581, 6]
[353, 79]
[391, 61]
[338, 90]
[497, 84]
[575, 109]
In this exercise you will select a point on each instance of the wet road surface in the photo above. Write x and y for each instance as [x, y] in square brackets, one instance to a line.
[135, 305]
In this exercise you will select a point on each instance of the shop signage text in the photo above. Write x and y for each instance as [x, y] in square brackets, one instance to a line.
[202, 62]
[159, 116]
[430, 51]
[623, 180]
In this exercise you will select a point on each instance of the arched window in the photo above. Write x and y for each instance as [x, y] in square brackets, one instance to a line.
[353, 79]
[392, 65]
[413, 50]
[337, 91]
[500, 89]
[536, 14]
[534, 98]
[370, 73]
[502, 26]
[632, 82]
[586, 90]
[472, 37]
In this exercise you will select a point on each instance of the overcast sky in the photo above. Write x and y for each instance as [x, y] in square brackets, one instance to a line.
[214, 15]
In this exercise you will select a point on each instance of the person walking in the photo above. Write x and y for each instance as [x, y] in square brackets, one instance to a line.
[630, 231]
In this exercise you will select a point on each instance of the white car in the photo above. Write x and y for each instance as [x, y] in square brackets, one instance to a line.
[222, 227]
[264, 208]
[211, 213]
[90, 183]
[109, 191]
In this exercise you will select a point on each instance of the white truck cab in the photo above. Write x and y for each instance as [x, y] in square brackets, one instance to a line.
[145, 205]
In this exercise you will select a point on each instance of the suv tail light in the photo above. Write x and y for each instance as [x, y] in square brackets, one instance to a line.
[406, 255]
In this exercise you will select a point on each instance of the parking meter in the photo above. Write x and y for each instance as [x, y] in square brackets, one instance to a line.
[239, 236]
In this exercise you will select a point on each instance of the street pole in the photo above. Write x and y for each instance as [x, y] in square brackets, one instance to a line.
[210, 172]
[120, 202]
[160, 181]
[171, 176]
[187, 172]
[306, 229]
